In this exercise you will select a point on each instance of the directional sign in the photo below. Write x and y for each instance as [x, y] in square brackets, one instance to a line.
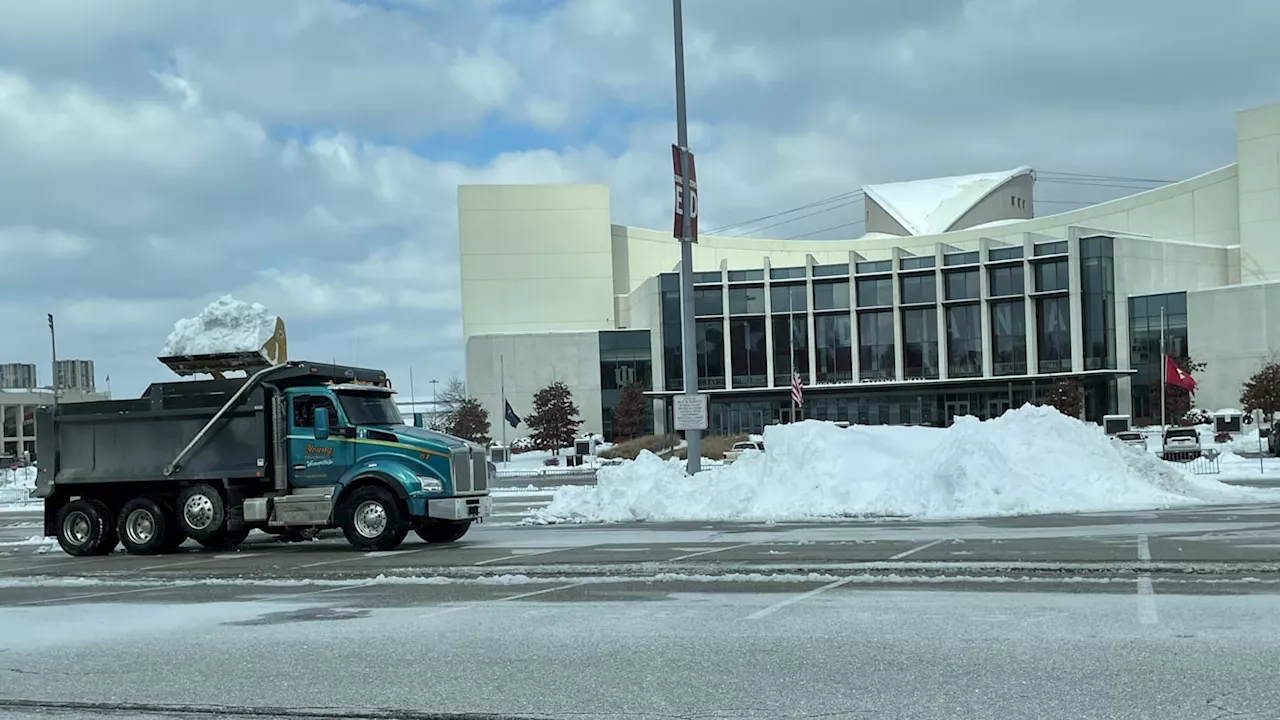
[693, 194]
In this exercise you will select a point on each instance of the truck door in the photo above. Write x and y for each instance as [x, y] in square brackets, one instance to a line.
[316, 461]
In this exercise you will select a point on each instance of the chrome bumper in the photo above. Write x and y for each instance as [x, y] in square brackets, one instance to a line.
[463, 508]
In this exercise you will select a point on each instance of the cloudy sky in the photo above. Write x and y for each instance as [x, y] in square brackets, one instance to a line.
[305, 154]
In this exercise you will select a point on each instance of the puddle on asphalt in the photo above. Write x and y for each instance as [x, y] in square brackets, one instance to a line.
[314, 614]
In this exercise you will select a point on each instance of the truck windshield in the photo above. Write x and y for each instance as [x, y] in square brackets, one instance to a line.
[370, 409]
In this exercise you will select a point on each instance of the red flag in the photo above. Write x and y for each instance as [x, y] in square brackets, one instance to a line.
[1175, 375]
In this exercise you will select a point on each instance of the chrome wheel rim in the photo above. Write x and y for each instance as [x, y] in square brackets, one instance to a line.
[370, 519]
[76, 528]
[140, 526]
[197, 512]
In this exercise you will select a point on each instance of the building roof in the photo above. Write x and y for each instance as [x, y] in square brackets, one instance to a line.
[931, 207]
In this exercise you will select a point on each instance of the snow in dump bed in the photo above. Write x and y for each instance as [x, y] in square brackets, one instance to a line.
[226, 325]
[1031, 460]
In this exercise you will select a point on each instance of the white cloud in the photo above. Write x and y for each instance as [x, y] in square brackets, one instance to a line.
[306, 154]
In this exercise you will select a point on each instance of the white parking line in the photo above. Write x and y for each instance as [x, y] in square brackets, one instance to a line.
[708, 552]
[89, 596]
[200, 561]
[468, 606]
[797, 598]
[361, 556]
[1147, 612]
[915, 550]
[531, 554]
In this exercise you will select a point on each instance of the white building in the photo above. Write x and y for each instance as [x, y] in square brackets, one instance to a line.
[958, 300]
[18, 418]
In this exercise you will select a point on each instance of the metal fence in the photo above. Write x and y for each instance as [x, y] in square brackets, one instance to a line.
[17, 496]
[1207, 462]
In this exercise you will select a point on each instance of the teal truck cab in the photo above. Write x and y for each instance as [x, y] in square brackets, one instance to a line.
[290, 447]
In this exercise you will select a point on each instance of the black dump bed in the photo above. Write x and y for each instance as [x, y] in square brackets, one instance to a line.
[134, 440]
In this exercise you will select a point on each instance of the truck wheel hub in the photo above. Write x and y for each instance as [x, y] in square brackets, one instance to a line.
[198, 512]
[370, 519]
[76, 528]
[140, 526]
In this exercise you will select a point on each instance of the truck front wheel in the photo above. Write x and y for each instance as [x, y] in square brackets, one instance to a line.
[144, 527]
[372, 519]
[86, 527]
[443, 531]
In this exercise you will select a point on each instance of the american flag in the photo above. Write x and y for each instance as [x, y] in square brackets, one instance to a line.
[797, 389]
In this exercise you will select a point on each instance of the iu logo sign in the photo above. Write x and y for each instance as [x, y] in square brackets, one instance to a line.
[693, 194]
[624, 375]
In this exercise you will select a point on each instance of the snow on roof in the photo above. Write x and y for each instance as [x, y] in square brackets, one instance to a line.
[931, 207]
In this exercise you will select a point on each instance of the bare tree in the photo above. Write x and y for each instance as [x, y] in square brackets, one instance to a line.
[449, 400]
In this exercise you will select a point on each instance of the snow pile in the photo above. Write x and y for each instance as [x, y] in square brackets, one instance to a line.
[1032, 460]
[23, 478]
[1248, 442]
[227, 325]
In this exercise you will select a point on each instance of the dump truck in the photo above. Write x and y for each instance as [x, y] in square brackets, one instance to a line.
[290, 446]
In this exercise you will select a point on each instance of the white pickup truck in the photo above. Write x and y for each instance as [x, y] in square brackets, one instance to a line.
[741, 447]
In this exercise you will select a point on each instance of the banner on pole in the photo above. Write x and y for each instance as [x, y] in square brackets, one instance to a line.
[693, 194]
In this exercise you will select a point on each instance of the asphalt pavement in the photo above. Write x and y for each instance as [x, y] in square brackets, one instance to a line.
[1160, 614]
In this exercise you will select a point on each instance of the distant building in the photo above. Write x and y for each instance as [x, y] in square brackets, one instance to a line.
[956, 301]
[75, 375]
[18, 376]
[18, 418]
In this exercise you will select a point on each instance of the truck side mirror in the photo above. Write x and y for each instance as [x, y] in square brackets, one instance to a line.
[322, 423]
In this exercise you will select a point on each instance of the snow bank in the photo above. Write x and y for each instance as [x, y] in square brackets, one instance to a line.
[1247, 442]
[20, 478]
[1032, 460]
[226, 325]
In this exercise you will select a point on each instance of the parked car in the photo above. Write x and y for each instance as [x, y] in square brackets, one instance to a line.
[1132, 438]
[1181, 444]
[742, 447]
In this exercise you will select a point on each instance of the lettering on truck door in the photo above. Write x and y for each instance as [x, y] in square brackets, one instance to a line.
[315, 461]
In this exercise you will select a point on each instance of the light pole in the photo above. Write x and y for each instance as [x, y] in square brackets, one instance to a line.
[434, 407]
[693, 438]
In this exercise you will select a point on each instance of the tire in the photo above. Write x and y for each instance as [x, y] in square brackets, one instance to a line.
[225, 540]
[371, 519]
[443, 531]
[85, 527]
[144, 526]
[174, 536]
[201, 511]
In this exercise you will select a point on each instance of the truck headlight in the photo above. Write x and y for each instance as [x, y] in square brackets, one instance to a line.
[430, 484]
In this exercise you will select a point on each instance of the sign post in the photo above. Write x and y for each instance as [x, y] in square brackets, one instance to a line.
[686, 230]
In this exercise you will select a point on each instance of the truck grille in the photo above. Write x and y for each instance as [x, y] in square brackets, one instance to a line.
[479, 471]
[460, 465]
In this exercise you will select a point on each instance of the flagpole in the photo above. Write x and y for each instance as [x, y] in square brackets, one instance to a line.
[502, 373]
[1164, 372]
[791, 343]
[413, 398]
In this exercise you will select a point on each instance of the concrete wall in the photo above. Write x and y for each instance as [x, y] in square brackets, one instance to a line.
[1013, 200]
[878, 220]
[1258, 168]
[1235, 330]
[526, 363]
[535, 258]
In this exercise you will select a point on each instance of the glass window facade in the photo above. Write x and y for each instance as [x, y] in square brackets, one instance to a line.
[790, 348]
[705, 278]
[875, 292]
[876, 355]
[747, 352]
[789, 273]
[625, 357]
[964, 341]
[669, 309]
[1052, 276]
[874, 266]
[920, 343]
[962, 284]
[960, 258]
[709, 347]
[917, 263]
[708, 301]
[1004, 253]
[746, 300]
[833, 342]
[746, 275]
[1097, 303]
[788, 298]
[831, 295]
[1005, 280]
[1144, 347]
[1057, 247]
[1053, 334]
[915, 289]
[1009, 338]
[830, 270]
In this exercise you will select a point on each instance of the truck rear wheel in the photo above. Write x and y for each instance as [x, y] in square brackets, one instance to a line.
[144, 527]
[202, 513]
[224, 540]
[443, 531]
[86, 527]
[372, 519]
